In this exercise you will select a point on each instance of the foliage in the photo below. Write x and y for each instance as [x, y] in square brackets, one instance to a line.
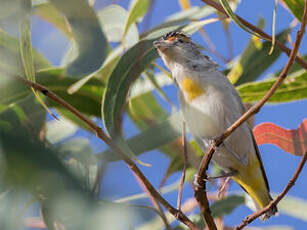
[111, 75]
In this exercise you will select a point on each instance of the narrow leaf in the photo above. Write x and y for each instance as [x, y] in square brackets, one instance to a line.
[138, 10]
[151, 138]
[273, 27]
[293, 206]
[226, 205]
[26, 49]
[293, 88]
[254, 61]
[87, 33]
[293, 141]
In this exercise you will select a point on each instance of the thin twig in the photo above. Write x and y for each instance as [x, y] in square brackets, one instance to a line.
[281, 46]
[274, 202]
[185, 162]
[101, 135]
[200, 189]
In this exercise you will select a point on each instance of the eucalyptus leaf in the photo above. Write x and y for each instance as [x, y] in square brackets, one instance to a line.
[254, 61]
[226, 205]
[114, 27]
[293, 88]
[296, 7]
[293, 206]
[88, 35]
[150, 139]
[137, 10]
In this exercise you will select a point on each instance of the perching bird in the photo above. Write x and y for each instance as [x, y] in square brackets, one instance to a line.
[210, 104]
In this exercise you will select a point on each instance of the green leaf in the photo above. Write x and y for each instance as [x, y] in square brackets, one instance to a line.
[49, 13]
[88, 35]
[254, 61]
[293, 88]
[296, 7]
[137, 10]
[25, 46]
[293, 206]
[114, 27]
[25, 42]
[150, 139]
[87, 100]
[226, 205]
[129, 67]
[10, 58]
[27, 113]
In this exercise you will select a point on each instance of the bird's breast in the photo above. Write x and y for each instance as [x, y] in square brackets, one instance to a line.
[202, 115]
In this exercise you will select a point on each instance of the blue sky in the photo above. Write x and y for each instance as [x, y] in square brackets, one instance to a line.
[118, 180]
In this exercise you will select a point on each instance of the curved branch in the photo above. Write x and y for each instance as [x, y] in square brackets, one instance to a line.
[101, 135]
[199, 191]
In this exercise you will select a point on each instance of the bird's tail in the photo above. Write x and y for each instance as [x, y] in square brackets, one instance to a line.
[253, 180]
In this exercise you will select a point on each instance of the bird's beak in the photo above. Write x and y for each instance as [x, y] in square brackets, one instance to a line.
[156, 43]
[160, 45]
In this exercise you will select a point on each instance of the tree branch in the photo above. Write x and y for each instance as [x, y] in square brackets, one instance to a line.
[101, 135]
[281, 46]
[290, 184]
[200, 189]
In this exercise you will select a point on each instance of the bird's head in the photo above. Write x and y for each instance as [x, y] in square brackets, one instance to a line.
[176, 47]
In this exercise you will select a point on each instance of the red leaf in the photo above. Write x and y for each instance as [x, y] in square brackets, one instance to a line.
[293, 141]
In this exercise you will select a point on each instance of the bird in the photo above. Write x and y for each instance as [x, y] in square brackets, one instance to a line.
[210, 104]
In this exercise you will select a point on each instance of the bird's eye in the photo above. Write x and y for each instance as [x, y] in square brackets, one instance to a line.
[180, 40]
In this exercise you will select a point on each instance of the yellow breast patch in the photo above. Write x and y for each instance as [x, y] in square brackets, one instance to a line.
[191, 88]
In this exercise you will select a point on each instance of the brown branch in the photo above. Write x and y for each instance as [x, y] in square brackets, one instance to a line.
[281, 46]
[185, 161]
[200, 189]
[157, 206]
[101, 135]
[290, 184]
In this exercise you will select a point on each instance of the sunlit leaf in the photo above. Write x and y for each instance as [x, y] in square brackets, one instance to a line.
[87, 33]
[293, 206]
[293, 88]
[253, 61]
[137, 10]
[114, 27]
[290, 140]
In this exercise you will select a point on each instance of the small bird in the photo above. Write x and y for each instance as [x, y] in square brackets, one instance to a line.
[210, 104]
